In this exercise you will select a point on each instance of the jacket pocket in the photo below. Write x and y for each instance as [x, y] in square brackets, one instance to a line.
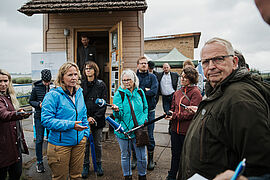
[52, 154]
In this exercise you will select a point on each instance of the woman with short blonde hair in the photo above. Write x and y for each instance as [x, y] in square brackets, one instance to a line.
[64, 114]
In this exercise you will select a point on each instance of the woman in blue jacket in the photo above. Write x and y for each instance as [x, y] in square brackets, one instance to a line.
[122, 112]
[64, 113]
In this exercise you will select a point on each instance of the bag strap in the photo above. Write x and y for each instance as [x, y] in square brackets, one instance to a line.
[185, 95]
[132, 113]
[123, 95]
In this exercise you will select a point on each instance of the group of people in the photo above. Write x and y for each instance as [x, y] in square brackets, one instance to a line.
[209, 135]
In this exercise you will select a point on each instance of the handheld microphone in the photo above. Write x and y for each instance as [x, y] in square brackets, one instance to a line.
[102, 102]
[115, 125]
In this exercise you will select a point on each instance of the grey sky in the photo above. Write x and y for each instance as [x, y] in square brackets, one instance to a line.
[235, 20]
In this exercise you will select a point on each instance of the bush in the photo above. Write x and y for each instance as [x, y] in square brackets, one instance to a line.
[22, 80]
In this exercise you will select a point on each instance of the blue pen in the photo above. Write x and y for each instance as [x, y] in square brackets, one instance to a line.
[239, 170]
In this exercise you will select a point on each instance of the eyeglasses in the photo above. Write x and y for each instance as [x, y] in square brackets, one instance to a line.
[183, 77]
[126, 80]
[88, 69]
[215, 60]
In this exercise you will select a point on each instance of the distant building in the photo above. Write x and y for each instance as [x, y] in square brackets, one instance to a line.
[174, 49]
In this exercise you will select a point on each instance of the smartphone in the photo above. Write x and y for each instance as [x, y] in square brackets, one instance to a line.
[26, 112]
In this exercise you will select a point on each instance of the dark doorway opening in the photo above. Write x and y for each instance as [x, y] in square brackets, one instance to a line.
[100, 40]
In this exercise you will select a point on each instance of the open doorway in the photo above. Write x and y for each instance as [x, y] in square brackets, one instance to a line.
[99, 40]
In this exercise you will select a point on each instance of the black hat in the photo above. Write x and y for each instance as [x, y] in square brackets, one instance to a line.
[151, 64]
[46, 75]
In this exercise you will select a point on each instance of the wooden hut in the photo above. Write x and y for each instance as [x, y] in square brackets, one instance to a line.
[115, 28]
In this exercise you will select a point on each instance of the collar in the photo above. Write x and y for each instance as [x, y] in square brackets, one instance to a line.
[68, 93]
[142, 73]
[91, 83]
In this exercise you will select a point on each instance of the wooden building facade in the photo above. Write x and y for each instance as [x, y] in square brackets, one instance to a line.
[114, 27]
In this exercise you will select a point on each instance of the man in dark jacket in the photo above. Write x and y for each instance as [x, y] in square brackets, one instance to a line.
[149, 84]
[232, 123]
[85, 53]
[168, 85]
[37, 96]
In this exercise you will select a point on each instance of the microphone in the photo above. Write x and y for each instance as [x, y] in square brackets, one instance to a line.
[102, 102]
[115, 125]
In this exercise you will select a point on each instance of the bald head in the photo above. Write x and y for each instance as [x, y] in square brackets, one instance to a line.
[166, 68]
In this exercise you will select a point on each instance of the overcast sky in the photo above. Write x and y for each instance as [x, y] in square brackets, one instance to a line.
[235, 20]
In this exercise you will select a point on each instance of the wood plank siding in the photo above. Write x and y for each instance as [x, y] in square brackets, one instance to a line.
[54, 25]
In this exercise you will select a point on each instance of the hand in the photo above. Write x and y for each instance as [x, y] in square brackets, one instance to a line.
[91, 120]
[24, 115]
[192, 109]
[40, 104]
[115, 108]
[167, 117]
[227, 175]
[147, 89]
[79, 127]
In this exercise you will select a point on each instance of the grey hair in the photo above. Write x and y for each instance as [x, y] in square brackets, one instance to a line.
[223, 42]
[132, 75]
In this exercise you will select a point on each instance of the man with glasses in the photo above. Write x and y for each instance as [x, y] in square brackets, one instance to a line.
[232, 123]
[149, 84]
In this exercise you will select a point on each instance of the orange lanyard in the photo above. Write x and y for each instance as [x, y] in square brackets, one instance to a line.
[178, 123]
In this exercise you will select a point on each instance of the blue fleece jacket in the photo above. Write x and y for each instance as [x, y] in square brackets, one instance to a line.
[59, 114]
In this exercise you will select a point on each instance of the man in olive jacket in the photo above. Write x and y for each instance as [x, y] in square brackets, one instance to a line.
[232, 123]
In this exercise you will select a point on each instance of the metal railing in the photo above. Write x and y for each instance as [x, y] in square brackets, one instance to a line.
[24, 96]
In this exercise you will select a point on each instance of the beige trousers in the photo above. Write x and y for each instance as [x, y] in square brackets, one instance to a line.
[66, 161]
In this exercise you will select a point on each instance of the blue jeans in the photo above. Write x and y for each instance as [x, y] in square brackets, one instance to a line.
[167, 102]
[150, 128]
[39, 139]
[97, 136]
[125, 146]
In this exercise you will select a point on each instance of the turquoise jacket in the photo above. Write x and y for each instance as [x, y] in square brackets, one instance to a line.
[59, 114]
[124, 117]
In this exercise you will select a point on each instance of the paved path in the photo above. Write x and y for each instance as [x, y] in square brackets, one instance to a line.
[111, 160]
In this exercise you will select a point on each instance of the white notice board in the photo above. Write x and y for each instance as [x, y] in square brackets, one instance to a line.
[46, 60]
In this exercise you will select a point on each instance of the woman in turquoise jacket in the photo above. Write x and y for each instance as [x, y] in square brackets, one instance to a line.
[122, 112]
[64, 113]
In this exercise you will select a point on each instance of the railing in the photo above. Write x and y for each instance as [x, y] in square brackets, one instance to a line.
[24, 96]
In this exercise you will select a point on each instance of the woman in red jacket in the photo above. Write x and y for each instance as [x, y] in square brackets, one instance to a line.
[184, 102]
[12, 143]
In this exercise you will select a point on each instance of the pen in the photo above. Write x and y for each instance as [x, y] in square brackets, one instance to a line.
[240, 168]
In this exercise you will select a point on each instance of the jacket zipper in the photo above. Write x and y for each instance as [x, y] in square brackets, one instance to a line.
[76, 117]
